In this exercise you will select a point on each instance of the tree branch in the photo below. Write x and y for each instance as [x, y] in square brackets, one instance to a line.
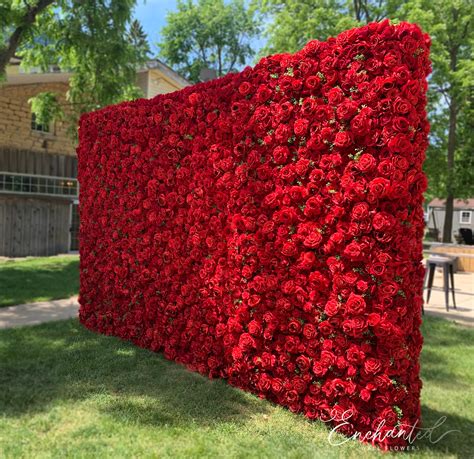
[15, 38]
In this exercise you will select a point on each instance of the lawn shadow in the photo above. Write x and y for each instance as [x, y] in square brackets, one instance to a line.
[435, 368]
[446, 433]
[64, 361]
[452, 433]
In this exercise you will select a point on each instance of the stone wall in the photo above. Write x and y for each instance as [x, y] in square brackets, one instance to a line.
[15, 120]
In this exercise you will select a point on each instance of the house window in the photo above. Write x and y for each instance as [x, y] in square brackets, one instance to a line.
[11, 182]
[465, 216]
[37, 127]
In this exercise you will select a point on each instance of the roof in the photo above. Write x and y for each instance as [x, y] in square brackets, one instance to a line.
[18, 77]
[168, 71]
[458, 203]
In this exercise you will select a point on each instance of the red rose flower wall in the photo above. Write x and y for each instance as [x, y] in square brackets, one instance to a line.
[266, 227]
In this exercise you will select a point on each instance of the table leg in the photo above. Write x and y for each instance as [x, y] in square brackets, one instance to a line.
[451, 272]
[446, 286]
[430, 281]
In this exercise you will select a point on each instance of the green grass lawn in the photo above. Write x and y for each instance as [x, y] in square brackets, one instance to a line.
[38, 279]
[67, 392]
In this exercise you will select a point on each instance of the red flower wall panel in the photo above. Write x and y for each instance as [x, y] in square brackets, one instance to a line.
[266, 227]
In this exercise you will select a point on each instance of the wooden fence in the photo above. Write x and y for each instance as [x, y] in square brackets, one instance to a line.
[32, 225]
[31, 162]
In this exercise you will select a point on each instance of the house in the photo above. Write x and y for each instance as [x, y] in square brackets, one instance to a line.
[38, 165]
[463, 216]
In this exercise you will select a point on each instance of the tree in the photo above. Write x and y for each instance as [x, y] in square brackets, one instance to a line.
[292, 23]
[450, 156]
[16, 20]
[209, 34]
[96, 40]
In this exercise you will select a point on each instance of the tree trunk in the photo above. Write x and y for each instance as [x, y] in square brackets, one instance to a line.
[449, 208]
[8, 51]
[453, 113]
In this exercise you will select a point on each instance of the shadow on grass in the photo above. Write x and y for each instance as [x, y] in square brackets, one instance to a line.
[453, 437]
[64, 361]
[446, 355]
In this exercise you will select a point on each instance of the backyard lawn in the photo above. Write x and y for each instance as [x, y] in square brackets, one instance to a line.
[38, 279]
[67, 392]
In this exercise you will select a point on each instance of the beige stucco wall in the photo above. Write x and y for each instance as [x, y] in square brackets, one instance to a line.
[15, 120]
[153, 82]
[142, 82]
[159, 84]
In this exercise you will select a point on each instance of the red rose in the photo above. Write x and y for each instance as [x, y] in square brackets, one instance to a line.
[325, 328]
[347, 110]
[313, 240]
[280, 155]
[400, 144]
[294, 326]
[245, 88]
[331, 308]
[277, 385]
[303, 363]
[355, 304]
[361, 125]
[378, 187]
[376, 269]
[313, 207]
[354, 327]
[308, 106]
[373, 319]
[360, 211]
[255, 328]
[335, 96]
[246, 342]
[289, 249]
[309, 331]
[365, 395]
[312, 82]
[343, 139]
[307, 260]
[373, 366]
[353, 250]
[319, 369]
[366, 163]
[388, 289]
[362, 286]
[401, 106]
[301, 126]
[382, 221]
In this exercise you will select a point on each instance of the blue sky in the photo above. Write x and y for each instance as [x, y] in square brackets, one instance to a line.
[152, 16]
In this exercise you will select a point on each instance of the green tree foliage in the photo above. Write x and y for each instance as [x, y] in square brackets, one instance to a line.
[96, 40]
[450, 157]
[209, 34]
[46, 107]
[292, 23]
